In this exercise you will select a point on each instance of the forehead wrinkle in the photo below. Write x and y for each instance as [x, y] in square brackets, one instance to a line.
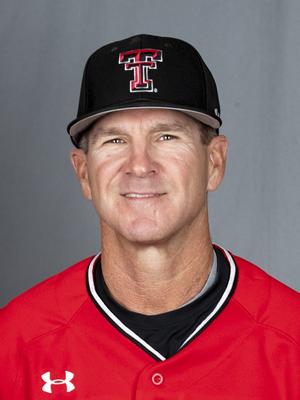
[174, 126]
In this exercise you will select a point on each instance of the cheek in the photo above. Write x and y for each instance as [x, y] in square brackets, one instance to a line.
[101, 172]
[190, 169]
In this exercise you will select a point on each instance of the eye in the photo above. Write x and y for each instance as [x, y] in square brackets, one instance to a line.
[115, 141]
[167, 137]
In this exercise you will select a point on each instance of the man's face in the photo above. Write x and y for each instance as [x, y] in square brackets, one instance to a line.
[147, 174]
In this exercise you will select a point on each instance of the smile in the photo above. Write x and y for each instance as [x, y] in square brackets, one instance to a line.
[142, 195]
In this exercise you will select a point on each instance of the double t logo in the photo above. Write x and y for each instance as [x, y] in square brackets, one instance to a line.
[140, 61]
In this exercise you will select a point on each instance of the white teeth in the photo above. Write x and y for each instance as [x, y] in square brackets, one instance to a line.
[137, 195]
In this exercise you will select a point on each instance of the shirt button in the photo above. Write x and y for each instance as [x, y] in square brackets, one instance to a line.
[157, 379]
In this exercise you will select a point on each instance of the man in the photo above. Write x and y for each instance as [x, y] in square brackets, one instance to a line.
[161, 313]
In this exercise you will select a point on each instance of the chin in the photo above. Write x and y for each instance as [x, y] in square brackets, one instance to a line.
[146, 240]
[147, 235]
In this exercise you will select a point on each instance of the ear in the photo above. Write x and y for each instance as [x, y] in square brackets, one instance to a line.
[79, 162]
[217, 155]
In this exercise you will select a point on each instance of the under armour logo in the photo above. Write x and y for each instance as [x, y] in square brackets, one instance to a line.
[48, 385]
[140, 61]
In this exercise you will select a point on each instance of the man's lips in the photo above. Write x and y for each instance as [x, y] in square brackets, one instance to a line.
[136, 195]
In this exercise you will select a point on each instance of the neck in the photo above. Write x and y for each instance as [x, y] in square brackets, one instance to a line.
[154, 279]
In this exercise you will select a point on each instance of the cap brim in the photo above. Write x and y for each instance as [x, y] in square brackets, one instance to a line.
[79, 125]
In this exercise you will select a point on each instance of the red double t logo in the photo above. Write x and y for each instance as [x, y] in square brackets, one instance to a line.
[140, 61]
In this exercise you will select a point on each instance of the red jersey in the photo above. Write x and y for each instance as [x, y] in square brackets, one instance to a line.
[57, 344]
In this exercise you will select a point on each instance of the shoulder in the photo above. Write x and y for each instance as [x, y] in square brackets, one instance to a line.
[270, 302]
[48, 305]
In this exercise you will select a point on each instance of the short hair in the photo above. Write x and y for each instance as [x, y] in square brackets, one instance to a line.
[207, 134]
[82, 140]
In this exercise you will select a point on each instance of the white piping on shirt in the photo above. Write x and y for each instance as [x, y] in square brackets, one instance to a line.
[137, 338]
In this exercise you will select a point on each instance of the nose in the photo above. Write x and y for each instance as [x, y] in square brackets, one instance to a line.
[140, 161]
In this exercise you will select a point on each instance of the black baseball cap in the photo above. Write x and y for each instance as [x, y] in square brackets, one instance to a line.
[146, 71]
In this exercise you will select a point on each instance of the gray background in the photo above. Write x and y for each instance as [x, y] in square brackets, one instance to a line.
[253, 50]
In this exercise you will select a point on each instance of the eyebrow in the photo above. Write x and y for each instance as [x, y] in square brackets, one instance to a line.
[114, 131]
[157, 127]
[174, 126]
